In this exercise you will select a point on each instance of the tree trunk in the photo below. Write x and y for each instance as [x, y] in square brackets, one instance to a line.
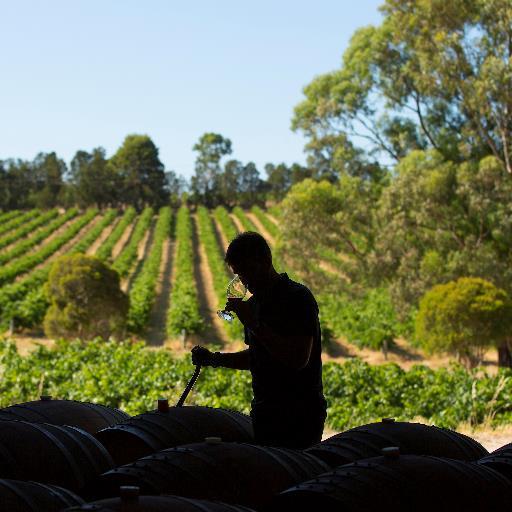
[505, 354]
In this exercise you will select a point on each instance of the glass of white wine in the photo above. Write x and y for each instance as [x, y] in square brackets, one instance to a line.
[236, 290]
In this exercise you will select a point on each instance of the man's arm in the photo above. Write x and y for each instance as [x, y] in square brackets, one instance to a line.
[233, 360]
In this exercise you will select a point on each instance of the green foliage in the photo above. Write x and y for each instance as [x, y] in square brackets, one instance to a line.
[25, 300]
[322, 219]
[220, 276]
[206, 182]
[358, 393]
[226, 223]
[140, 176]
[85, 298]
[27, 228]
[105, 250]
[25, 244]
[11, 220]
[87, 171]
[123, 262]
[8, 216]
[368, 321]
[30, 260]
[464, 317]
[128, 376]
[431, 75]
[441, 221]
[183, 314]
[247, 223]
[143, 289]
[270, 226]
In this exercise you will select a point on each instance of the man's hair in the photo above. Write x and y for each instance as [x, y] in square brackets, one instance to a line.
[248, 245]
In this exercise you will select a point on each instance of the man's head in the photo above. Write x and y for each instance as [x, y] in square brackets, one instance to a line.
[250, 257]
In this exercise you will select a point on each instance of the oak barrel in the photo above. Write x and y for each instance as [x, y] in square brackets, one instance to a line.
[367, 441]
[20, 496]
[85, 415]
[237, 473]
[159, 429]
[51, 454]
[402, 483]
[500, 460]
[130, 500]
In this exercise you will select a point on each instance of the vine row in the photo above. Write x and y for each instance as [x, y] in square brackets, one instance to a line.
[183, 314]
[143, 290]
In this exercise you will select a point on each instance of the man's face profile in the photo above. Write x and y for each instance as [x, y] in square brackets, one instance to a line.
[252, 274]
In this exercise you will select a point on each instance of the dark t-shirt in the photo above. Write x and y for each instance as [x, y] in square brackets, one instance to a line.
[289, 308]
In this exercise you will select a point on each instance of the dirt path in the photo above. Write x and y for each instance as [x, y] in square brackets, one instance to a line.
[261, 228]
[402, 354]
[220, 234]
[237, 222]
[142, 252]
[118, 247]
[214, 331]
[272, 218]
[157, 332]
[104, 235]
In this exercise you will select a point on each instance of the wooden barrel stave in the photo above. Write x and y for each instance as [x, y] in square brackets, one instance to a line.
[230, 472]
[153, 431]
[21, 496]
[85, 415]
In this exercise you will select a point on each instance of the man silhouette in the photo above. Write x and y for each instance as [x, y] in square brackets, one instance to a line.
[283, 335]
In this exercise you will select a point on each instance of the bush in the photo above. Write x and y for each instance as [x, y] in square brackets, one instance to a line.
[464, 317]
[128, 376]
[85, 299]
[369, 321]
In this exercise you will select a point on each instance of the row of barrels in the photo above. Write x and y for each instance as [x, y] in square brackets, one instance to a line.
[56, 454]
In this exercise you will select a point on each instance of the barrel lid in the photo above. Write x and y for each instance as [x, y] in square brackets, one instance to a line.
[213, 440]
[45, 398]
[129, 493]
[391, 452]
[388, 420]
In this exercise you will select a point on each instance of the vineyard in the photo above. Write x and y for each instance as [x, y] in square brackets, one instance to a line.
[133, 244]
[171, 265]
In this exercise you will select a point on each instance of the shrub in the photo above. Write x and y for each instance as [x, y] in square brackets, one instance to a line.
[85, 299]
[464, 317]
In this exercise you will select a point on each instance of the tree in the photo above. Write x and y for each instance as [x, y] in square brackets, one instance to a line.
[93, 182]
[177, 186]
[249, 186]
[464, 317]
[443, 221]
[281, 177]
[325, 218]
[433, 75]
[140, 175]
[47, 177]
[205, 184]
[85, 299]
[229, 183]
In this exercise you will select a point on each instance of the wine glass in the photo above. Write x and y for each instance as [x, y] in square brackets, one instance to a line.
[236, 290]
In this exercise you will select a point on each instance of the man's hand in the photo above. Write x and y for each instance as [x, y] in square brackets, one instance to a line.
[243, 310]
[201, 356]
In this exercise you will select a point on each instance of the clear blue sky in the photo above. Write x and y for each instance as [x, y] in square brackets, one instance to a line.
[77, 74]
